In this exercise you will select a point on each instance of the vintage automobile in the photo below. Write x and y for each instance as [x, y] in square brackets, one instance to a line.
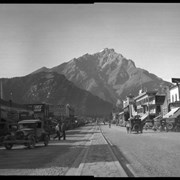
[29, 133]
[135, 124]
[148, 124]
[6, 128]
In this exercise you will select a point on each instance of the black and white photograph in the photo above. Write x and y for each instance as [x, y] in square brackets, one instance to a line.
[90, 90]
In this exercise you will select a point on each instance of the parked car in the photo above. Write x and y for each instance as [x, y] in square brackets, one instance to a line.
[6, 128]
[29, 133]
[136, 124]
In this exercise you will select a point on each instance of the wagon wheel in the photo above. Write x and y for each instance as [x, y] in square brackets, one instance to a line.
[8, 146]
[169, 126]
[32, 142]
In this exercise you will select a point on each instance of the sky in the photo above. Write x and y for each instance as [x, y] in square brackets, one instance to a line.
[37, 35]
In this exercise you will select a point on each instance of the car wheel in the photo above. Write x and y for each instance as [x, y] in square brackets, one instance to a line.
[136, 127]
[8, 146]
[46, 140]
[31, 143]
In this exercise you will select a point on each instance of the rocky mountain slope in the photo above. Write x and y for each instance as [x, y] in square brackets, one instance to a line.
[108, 75]
[53, 88]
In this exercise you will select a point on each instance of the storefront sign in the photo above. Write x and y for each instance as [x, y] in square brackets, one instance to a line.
[38, 107]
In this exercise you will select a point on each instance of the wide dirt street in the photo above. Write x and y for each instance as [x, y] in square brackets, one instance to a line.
[150, 154]
[86, 152]
[55, 159]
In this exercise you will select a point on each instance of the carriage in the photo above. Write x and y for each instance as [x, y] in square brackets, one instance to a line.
[136, 124]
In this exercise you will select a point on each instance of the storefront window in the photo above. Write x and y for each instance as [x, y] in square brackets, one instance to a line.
[175, 97]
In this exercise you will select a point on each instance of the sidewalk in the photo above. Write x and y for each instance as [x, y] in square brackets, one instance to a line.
[98, 159]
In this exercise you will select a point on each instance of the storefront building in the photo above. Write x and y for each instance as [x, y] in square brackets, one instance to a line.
[149, 104]
[174, 97]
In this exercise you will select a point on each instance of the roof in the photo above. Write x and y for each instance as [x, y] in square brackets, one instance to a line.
[173, 86]
[176, 114]
[29, 121]
[148, 93]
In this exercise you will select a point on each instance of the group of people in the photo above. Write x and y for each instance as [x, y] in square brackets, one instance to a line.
[60, 131]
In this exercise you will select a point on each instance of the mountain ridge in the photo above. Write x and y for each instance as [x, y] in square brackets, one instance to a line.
[53, 88]
[109, 75]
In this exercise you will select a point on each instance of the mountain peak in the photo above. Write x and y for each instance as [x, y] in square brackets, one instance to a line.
[42, 69]
[107, 50]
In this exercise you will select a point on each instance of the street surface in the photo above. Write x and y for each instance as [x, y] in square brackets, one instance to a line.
[55, 159]
[84, 152]
[151, 154]
[99, 151]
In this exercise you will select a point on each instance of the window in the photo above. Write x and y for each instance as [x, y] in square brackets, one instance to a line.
[172, 98]
[175, 97]
[39, 125]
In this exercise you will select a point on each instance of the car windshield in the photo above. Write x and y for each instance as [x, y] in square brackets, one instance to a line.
[27, 125]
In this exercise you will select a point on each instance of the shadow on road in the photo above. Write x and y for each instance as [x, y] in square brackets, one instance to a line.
[57, 154]
[40, 156]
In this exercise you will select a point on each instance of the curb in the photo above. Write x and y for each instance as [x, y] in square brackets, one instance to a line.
[80, 160]
[118, 165]
[128, 166]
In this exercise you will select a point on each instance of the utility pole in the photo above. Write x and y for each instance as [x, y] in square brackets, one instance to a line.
[1, 96]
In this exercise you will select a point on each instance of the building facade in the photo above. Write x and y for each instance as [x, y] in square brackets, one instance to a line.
[149, 103]
[174, 94]
[174, 97]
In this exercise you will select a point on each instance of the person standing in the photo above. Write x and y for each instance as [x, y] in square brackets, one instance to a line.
[63, 129]
[57, 132]
[109, 123]
[110, 118]
[128, 126]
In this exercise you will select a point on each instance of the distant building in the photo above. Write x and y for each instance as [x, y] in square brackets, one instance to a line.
[129, 107]
[174, 94]
[174, 97]
[165, 106]
[13, 112]
[41, 111]
[149, 103]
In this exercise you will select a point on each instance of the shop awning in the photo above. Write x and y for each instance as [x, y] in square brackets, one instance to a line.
[172, 112]
[126, 109]
[158, 117]
[176, 114]
[144, 116]
[121, 113]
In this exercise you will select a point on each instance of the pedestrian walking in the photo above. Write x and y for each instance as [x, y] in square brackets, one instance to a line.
[128, 126]
[110, 118]
[57, 128]
[109, 123]
[104, 122]
[63, 129]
